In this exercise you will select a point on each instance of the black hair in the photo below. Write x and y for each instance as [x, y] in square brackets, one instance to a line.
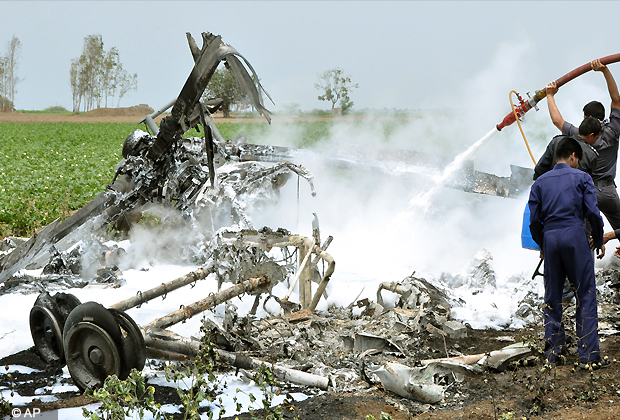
[590, 125]
[594, 109]
[566, 147]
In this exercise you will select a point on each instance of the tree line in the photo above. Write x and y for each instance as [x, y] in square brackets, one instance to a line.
[98, 76]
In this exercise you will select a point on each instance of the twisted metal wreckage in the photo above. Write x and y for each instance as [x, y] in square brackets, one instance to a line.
[180, 173]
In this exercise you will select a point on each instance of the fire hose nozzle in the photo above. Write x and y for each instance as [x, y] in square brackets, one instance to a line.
[520, 110]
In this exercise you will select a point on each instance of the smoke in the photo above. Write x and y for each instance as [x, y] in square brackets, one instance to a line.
[368, 172]
[363, 199]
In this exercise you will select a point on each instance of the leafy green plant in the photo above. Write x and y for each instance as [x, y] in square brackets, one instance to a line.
[266, 382]
[48, 171]
[120, 399]
[196, 380]
[5, 407]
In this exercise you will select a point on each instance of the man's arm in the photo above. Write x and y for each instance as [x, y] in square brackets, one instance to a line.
[608, 236]
[554, 112]
[612, 87]
[593, 214]
[591, 211]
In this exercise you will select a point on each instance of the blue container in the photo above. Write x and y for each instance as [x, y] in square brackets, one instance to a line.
[526, 236]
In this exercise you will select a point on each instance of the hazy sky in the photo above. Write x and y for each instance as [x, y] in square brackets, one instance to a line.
[403, 54]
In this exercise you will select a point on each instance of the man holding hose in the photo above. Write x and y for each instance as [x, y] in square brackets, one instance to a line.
[604, 172]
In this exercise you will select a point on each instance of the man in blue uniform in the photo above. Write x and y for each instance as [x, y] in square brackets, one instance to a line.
[559, 201]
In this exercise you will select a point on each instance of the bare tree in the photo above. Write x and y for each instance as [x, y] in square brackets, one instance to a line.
[109, 67]
[98, 75]
[8, 73]
[4, 102]
[125, 82]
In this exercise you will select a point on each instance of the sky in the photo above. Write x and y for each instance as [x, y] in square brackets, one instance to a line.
[403, 54]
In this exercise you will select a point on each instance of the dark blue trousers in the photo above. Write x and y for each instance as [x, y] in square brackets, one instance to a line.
[567, 254]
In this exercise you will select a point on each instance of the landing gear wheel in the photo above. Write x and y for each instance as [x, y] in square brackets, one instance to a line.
[67, 303]
[92, 344]
[46, 331]
[133, 346]
[92, 355]
[94, 313]
[47, 320]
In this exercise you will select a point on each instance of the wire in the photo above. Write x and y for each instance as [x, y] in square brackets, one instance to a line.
[519, 123]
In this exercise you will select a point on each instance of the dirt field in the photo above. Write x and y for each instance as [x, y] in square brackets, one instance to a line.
[136, 113]
[565, 392]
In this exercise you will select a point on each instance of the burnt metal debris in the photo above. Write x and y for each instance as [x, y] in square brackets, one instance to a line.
[210, 178]
[164, 167]
[179, 174]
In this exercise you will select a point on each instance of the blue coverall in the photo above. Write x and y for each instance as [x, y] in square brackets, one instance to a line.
[559, 201]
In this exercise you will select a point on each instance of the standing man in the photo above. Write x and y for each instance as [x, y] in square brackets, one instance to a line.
[604, 172]
[559, 201]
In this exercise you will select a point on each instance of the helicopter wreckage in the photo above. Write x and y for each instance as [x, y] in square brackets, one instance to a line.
[216, 180]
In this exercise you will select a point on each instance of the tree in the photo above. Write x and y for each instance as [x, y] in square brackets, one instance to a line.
[8, 73]
[98, 75]
[224, 86]
[336, 87]
[4, 102]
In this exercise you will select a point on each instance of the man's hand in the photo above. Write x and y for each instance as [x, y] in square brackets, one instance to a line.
[551, 89]
[600, 252]
[617, 252]
[597, 65]
[608, 236]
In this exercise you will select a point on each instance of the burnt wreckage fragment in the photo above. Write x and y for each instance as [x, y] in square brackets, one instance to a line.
[178, 173]
[163, 167]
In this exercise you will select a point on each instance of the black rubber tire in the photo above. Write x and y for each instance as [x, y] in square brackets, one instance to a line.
[92, 354]
[67, 303]
[97, 314]
[133, 345]
[46, 327]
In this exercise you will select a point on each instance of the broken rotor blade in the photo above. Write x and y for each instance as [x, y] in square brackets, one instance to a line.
[247, 86]
[186, 101]
[208, 145]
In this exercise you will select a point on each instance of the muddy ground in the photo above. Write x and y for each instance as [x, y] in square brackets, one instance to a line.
[564, 392]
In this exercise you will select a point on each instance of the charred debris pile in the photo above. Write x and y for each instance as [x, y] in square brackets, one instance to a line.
[207, 186]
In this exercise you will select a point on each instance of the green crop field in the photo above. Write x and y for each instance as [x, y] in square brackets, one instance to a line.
[49, 170]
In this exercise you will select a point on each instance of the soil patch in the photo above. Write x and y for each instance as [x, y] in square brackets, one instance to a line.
[137, 110]
[134, 114]
[564, 392]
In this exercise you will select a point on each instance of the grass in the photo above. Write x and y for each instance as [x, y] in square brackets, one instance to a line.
[51, 110]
